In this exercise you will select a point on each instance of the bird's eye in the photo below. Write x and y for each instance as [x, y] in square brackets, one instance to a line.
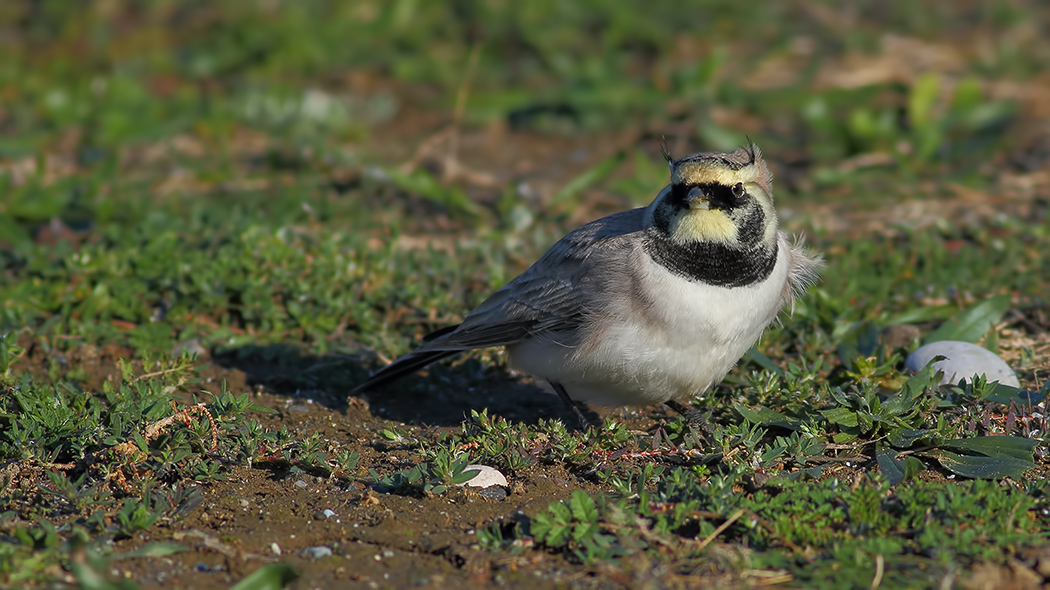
[738, 190]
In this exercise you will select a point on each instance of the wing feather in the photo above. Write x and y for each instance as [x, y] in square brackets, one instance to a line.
[546, 298]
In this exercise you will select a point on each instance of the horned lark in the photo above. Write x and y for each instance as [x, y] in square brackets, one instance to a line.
[652, 305]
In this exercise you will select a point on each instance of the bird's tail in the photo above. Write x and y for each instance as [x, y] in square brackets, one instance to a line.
[410, 363]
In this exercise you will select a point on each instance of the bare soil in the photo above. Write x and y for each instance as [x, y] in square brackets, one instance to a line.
[262, 515]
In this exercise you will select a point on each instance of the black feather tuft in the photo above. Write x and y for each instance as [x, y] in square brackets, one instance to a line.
[410, 363]
[666, 152]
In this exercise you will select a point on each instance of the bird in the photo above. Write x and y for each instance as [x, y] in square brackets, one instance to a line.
[647, 306]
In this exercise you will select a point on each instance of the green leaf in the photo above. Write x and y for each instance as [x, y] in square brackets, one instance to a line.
[897, 470]
[841, 416]
[269, 577]
[540, 526]
[921, 102]
[561, 511]
[583, 507]
[465, 476]
[846, 436]
[764, 416]
[915, 386]
[982, 467]
[912, 467]
[765, 362]
[1005, 394]
[972, 324]
[996, 446]
[890, 466]
[903, 438]
[559, 535]
[584, 531]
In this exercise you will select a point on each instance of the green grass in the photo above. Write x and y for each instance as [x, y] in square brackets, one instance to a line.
[228, 178]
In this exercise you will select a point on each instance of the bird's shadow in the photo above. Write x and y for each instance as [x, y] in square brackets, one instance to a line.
[443, 395]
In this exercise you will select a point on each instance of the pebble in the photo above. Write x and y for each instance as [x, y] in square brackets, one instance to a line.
[962, 360]
[494, 493]
[486, 477]
[317, 552]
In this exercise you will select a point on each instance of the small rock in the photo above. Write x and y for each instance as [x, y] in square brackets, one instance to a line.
[317, 552]
[328, 513]
[300, 483]
[486, 477]
[498, 493]
[962, 360]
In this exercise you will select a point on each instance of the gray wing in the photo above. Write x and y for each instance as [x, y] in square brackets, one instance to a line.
[544, 298]
[547, 296]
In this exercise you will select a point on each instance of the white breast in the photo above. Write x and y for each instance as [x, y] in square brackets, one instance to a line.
[682, 343]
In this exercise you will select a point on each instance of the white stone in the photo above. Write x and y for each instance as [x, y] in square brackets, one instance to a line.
[962, 360]
[486, 477]
[317, 552]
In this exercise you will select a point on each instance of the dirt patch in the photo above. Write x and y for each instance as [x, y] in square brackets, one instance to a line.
[264, 515]
[345, 534]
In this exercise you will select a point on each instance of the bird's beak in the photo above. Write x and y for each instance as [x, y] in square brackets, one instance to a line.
[698, 200]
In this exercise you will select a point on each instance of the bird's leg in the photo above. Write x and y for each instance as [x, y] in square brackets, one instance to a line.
[573, 406]
[693, 417]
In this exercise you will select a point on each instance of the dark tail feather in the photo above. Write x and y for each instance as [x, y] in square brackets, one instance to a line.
[439, 333]
[409, 363]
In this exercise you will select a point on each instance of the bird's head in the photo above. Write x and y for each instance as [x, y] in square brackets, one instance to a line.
[717, 198]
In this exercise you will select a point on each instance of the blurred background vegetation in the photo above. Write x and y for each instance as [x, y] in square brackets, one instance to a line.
[922, 83]
[174, 129]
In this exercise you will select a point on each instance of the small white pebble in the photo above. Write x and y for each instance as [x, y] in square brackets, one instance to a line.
[962, 360]
[317, 552]
[275, 548]
[487, 476]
